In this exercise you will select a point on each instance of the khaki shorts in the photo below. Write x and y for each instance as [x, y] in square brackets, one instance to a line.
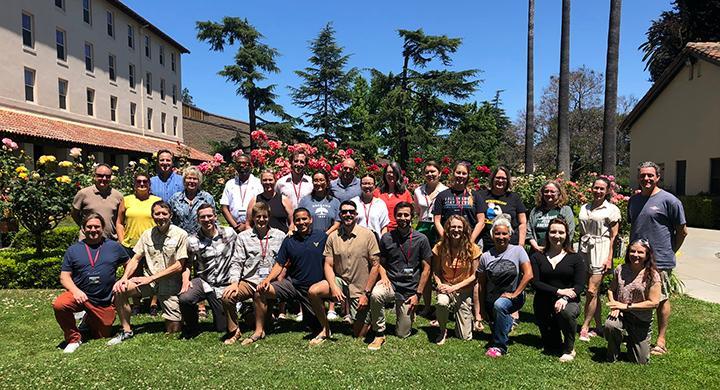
[246, 290]
[665, 288]
[364, 315]
[170, 304]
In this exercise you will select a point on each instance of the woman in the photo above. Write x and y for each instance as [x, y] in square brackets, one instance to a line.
[372, 212]
[455, 259]
[185, 204]
[392, 191]
[459, 200]
[633, 296]
[280, 205]
[500, 285]
[558, 278]
[550, 203]
[321, 203]
[425, 199]
[599, 224]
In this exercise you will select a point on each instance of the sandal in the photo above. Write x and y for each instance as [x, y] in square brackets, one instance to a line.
[252, 339]
[234, 338]
[658, 350]
[319, 339]
[584, 335]
[478, 326]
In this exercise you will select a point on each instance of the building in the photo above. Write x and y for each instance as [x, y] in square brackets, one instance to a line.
[676, 123]
[92, 74]
[201, 128]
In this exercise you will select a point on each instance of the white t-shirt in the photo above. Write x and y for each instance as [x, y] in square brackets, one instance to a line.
[293, 191]
[373, 216]
[237, 196]
[425, 201]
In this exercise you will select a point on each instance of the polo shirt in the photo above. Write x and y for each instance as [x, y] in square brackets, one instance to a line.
[373, 215]
[95, 281]
[252, 266]
[402, 259]
[303, 258]
[138, 218]
[345, 192]
[295, 192]
[91, 200]
[185, 211]
[162, 251]
[352, 256]
[165, 189]
[238, 194]
[212, 257]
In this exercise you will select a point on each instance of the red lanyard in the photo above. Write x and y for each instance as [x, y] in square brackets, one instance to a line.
[264, 249]
[297, 189]
[460, 207]
[366, 210]
[97, 255]
[242, 194]
[409, 249]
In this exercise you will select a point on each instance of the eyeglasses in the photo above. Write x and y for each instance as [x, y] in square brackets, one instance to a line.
[141, 181]
[347, 212]
[101, 176]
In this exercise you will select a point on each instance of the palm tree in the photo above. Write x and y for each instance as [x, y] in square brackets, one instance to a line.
[530, 97]
[609, 154]
[563, 141]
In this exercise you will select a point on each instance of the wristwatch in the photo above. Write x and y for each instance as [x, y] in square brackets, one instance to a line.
[367, 293]
[418, 294]
[629, 305]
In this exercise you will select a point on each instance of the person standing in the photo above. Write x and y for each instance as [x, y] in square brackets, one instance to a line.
[460, 200]
[347, 186]
[296, 185]
[404, 271]
[102, 199]
[550, 204]
[372, 212]
[424, 197]
[185, 204]
[322, 204]
[166, 183]
[88, 275]
[238, 193]
[658, 216]
[393, 191]
[279, 205]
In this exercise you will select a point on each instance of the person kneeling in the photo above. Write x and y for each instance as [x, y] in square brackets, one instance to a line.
[88, 275]
[165, 250]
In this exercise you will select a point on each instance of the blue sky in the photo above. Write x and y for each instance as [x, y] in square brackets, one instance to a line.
[494, 40]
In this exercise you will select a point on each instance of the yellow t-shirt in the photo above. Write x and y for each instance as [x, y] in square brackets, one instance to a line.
[138, 218]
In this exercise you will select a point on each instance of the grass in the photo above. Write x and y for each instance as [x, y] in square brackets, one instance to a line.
[29, 358]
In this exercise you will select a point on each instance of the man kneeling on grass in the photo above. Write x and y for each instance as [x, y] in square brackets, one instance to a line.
[351, 269]
[405, 257]
[88, 274]
[165, 250]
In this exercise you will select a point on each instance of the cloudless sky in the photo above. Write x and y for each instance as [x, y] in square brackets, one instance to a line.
[494, 37]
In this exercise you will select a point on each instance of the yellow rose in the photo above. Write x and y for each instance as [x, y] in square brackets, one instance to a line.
[115, 168]
[23, 175]
[63, 179]
[144, 162]
[65, 164]
[35, 175]
[21, 169]
[46, 159]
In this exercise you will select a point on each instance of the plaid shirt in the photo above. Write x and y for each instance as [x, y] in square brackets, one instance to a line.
[249, 254]
[213, 259]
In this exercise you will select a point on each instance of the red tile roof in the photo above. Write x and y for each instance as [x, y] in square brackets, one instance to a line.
[705, 49]
[27, 124]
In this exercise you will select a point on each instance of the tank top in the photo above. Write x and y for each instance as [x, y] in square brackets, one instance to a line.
[278, 215]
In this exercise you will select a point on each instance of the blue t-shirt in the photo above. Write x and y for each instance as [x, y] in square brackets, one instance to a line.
[324, 211]
[166, 189]
[654, 218]
[96, 282]
[305, 255]
[348, 192]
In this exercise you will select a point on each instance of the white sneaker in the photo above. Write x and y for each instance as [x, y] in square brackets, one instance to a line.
[299, 317]
[122, 336]
[332, 315]
[568, 357]
[71, 347]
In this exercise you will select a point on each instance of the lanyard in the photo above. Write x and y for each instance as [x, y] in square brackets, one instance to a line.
[242, 194]
[460, 207]
[409, 249]
[366, 211]
[264, 249]
[97, 255]
[297, 189]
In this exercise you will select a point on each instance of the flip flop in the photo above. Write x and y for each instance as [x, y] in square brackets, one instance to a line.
[478, 326]
[658, 350]
[252, 339]
[319, 339]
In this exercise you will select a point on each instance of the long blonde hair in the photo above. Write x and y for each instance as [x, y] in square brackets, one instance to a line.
[465, 244]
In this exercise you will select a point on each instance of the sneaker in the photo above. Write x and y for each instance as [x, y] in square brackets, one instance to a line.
[377, 343]
[568, 357]
[153, 311]
[281, 316]
[347, 319]
[440, 340]
[122, 336]
[494, 352]
[299, 317]
[71, 347]
[332, 315]
[584, 335]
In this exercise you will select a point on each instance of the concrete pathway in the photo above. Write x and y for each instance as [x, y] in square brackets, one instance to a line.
[699, 264]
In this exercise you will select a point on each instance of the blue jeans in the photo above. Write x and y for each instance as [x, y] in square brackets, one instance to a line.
[502, 309]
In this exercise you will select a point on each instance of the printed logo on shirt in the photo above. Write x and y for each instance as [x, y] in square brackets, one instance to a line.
[321, 212]
[493, 210]
[316, 244]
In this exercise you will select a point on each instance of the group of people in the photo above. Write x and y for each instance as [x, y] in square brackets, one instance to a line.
[351, 243]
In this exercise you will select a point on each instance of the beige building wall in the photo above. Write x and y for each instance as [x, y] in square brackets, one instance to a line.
[683, 123]
[42, 58]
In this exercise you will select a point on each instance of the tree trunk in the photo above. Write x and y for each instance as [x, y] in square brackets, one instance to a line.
[530, 97]
[402, 131]
[609, 153]
[563, 141]
[39, 250]
[252, 119]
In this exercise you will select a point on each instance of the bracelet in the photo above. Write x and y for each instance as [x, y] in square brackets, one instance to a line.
[564, 298]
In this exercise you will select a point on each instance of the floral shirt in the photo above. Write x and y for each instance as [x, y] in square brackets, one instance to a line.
[185, 210]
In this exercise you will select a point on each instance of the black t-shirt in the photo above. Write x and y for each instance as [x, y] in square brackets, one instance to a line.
[466, 203]
[510, 204]
[404, 271]
[95, 281]
[305, 255]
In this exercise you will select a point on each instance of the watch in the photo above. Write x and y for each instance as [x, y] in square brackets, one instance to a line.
[418, 294]
[629, 305]
[367, 293]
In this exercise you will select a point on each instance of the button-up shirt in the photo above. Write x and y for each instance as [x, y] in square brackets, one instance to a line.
[212, 257]
[254, 255]
[295, 192]
[345, 192]
[237, 195]
[185, 210]
[166, 189]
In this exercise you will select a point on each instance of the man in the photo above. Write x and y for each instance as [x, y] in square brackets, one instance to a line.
[351, 269]
[166, 183]
[301, 256]
[210, 252]
[88, 274]
[165, 250]
[100, 198]
[238, 192]
[347, 186]
[658, 216]
[254, 256]
[296, 184]
[405, 258]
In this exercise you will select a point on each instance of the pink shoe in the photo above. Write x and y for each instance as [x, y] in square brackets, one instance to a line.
[584, 335]
[494, 352]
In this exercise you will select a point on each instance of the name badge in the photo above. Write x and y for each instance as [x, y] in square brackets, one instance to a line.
[263, 272]
[94, 279]
[242, 216]
[408, 271]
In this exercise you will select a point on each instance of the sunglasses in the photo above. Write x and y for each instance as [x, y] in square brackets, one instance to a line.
[347, 212]
[101, 176]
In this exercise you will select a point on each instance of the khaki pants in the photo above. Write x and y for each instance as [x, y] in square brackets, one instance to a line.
[460, 303]
[638, 334]
[379, 297]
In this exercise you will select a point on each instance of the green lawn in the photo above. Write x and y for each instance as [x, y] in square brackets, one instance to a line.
[29, 358]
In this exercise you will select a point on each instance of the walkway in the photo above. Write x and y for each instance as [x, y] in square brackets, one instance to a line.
[699, 264]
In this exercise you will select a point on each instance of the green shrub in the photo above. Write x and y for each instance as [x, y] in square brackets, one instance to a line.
[702, 211]
[20, 270]
[59, 238]
[8, 273]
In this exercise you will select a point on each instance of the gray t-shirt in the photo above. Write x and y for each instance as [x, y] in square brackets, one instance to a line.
[324, 211]
[654, 218]
[502, 270]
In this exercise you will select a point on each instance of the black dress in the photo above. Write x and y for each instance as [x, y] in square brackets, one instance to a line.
[278, 216]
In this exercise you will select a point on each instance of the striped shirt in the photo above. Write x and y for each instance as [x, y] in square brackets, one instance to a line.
[213, 259]
[249, 250]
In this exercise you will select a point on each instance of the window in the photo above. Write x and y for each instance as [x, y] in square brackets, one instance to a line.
[89, 65]
[131, 37]
[62, 93]
[148, 83]
[133, 109]
[149, 118]
[87, 12]
[27, 30]
[111, 67]
[175, 123]
[174, 94]
[162, 55]
[60, 4]
[113, 108]
[162, 89]
[172, 61]
[60, 44]
[680, 176]
[162, 123]
[147, 46]
[110, 24]
[715, 176]
[29, 85]
[90, 101]
[131, 76]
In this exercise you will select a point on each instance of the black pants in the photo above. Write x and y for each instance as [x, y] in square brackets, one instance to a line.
[189, 308]
[557, 330]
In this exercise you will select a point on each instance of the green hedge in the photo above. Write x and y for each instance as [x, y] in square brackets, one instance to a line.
[19, 271]
[702, 211]
[59, 238]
